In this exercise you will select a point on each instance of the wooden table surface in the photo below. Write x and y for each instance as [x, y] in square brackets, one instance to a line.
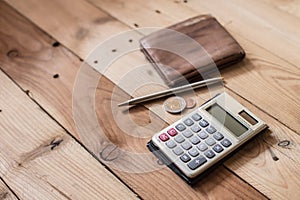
[51, 149]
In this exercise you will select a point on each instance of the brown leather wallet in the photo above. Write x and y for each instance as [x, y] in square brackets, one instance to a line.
[191, 50]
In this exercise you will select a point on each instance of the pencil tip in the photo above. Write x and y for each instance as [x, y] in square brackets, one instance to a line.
[123, 104]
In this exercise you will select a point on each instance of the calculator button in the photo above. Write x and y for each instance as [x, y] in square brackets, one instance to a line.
[209, 154]
[202, 147]
[185, 158]
[193, 152]
[210, 141]
[180, 127]
[187, 133]
[194, 164]
[186, 145]
[203, 123]
[163, 137]
[211, 129]
[172, 132]
[218, 136]
[203, 135]
[195, 128]
[178, 151]
[217, 148]
[226, 143]
[195, 140]
[171, 144]
[179, 138]
[188, 122]
[196, 117]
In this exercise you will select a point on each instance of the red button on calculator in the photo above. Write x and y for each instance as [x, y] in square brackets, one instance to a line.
[172, 132]
[164, 137]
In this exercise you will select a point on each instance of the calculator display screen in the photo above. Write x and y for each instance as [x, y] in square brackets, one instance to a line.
[227, 120]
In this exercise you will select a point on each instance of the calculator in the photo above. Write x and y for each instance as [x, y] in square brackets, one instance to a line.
[205, 137]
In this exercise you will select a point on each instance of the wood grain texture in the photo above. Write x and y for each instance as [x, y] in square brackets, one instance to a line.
[145, 184]
[268, 70]
[256, 164]
[40, 161]
[260, 65]
[5, 193]
[276, 126]
[216, 185]
[235, 79]
[82, 27]
[288, 69]
[283, 92]
[233, 14]
[291, 7]
[244, 16]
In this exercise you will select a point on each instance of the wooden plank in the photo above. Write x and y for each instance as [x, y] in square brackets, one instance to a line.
[242, 17]
[147, 185]
[81, 31]
[278, 178]
[256, 164]
[251, 69]
[274, 72]
[247, 16]
[246, 172]
[5, 192]
[162, 181]
[129, 62]
[267, 189]
[40, 161]
[291, 7]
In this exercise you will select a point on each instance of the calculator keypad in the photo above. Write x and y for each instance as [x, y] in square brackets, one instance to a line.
[210, 141]
[194, 164]
[178, 151]
[187, 133]
[195, 128]
[180, 127]
[186, 145]
[164, 137]
[185, 158]
[194, 141]
[171, 144]
[226, 143]
[179, 138]
[211, 129]
[188, 122]
[196, 117]
[203, 135]
[203, 123]
[172, 132]
[218, 136]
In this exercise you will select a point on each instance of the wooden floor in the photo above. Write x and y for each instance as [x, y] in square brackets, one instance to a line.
[45, 155]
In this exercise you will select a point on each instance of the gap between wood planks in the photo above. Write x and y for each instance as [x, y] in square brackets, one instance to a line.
[256, 106]
[24, 163]
[122, 20]
[231, 181]
[93, 2]
[72, 136]
[6, 193]
[264, 111]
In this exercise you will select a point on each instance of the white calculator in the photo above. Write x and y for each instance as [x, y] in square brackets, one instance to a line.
[202, 138]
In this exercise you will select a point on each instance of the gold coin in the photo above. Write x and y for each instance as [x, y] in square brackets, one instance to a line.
[190, 103]
[174, 105]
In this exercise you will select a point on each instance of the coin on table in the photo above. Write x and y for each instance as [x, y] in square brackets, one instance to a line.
[174, 105]
[190, 102]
